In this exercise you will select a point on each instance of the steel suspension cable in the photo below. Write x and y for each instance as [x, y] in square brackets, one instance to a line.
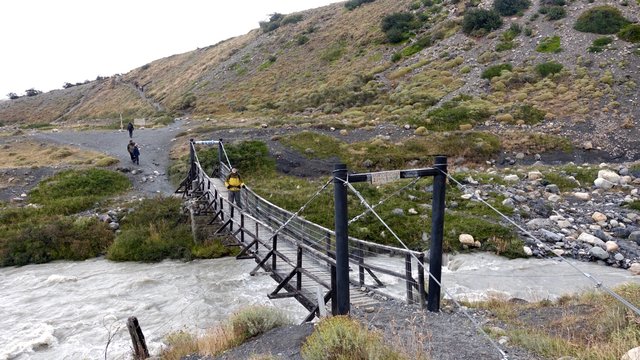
[598, 283]
[474, 321]
[224, 151]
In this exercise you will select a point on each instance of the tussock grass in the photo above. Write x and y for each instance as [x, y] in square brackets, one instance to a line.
[590, 325]
[30, 154]
[240, 327]
[340, 337]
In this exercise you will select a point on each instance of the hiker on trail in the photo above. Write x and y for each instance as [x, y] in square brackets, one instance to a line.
[130, 147]
[234, 184]
[136, 154]
[130, 129]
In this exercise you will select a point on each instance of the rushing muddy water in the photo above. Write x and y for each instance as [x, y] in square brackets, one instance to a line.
[66, 310]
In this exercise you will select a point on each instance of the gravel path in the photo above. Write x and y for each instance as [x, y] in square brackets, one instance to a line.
[155, 144]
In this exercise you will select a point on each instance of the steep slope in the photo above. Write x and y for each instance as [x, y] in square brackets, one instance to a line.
[336, 67]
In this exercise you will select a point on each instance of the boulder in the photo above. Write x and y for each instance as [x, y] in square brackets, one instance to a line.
[511, 178]
[599, 217]
[599, 253]
[633, 354]
[534, 175]
[635, 268]
[603, 184]
[590, 239]
[611, 246]
[582, 196]
[466, 239]
[610, 176]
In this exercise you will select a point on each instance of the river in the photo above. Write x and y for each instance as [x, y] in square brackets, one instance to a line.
[65, 310]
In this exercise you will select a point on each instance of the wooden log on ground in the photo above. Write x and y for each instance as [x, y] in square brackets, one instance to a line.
[137, 337]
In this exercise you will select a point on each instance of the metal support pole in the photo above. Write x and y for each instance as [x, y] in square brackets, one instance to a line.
[342, 238]
[409, 278]
[220, 158]
[274, 248]
[192, 159]
[437, 230]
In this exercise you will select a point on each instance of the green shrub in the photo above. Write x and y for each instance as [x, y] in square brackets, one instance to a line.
[292, 19]
[334, 51]
[256, 320]
[423, 42]
[398, 26]
[251, 156]
[478, 22]
[510, 7]
[39, 238]
[601, 20]
[599, 44]
[549, 45]
[302, 39]
[630, 33]
[451, 115]
[352, 4]
[529, 113]
[548, 68]
[274, 22]
[158, 229]
[71, 191]
[553, 12]
[341, 337]
[313, 145]
[495, 70]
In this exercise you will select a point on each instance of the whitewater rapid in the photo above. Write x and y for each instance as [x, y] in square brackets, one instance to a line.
[68, 310]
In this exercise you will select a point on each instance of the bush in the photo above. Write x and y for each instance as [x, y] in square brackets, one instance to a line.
[72, 191]
[34, 238]
[510, 7]
[274, 22]
[253, 321]
[397, 27]
[292, 19]
[529, 113]
[352, 4]
[341, 337]
[478, 22]
[599, 44]
[548, 68]
[549, 45]
[553, 12]
[495, 70]
[630, 33]
[601, 20]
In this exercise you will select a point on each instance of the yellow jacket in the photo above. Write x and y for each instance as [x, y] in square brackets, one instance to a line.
[233, 182]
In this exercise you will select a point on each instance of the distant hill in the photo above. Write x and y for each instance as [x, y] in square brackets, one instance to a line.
[434, 65]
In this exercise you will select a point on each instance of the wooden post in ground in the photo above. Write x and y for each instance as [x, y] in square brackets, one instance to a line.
[137, 337]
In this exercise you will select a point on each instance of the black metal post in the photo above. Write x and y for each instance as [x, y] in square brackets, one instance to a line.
[342, 238]
[192, 159]
[437, 230]
[409, 278]
[220, 158]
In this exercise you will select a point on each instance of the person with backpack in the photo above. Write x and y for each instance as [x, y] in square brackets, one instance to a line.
[130, 147]
[136, 154]
[130, 129]
[234, 184]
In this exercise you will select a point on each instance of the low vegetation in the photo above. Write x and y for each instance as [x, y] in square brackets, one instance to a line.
[601, 20]
[549, 45]
[51, 230]
[398, 27]
[511, 7]
[548, 68]
[630, 33]
[158, 229]
[479, 22]
[352, 4]
[341, 337]
[600, 43]
[495, 70]
[590, 326]
[240, 327]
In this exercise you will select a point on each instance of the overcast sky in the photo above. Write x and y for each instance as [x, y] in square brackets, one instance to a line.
[46, 43]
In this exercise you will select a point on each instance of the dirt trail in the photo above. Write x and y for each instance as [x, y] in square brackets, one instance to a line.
[154, 152]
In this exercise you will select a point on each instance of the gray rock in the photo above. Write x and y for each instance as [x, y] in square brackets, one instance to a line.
[539, 223]
[635, 236]
[602, 235]
[618, 257]
[550, 235]
[599, 253]
[552, 188]
[114, 226]
[397, 212]
[621, 233]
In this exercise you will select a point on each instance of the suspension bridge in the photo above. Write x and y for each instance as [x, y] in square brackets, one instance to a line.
[324, 269]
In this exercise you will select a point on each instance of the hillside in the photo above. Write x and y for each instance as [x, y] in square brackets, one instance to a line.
[334, 67]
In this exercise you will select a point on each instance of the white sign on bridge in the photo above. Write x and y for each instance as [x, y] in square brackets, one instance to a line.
[384, 177]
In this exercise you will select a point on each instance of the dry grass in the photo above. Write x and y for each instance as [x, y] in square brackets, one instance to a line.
[589, 326]
[32, 154]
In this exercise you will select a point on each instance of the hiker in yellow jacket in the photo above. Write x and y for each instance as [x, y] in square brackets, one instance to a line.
[234, 184]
